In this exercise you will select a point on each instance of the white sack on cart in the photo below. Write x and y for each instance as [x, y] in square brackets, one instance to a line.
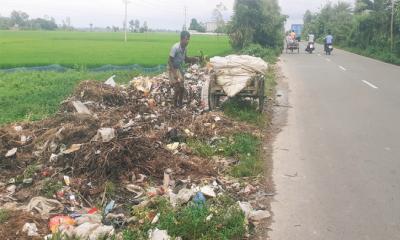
[234, 72]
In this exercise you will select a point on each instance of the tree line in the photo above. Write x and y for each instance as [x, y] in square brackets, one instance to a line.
[134, 26]
[365, 28]
[21, 20]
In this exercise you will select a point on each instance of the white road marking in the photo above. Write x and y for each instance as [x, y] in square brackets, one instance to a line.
[319, 55]
[341, 67]
[370, 84]
[327, 59]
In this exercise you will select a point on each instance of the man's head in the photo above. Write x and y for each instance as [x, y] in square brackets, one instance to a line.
[185, 37]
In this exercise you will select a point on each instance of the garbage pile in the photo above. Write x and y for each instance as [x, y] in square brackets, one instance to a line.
[130, 135]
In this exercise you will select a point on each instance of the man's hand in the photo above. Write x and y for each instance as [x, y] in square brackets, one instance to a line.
[192, 60]
[178, 75]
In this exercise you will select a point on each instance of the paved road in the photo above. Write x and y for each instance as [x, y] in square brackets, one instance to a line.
[337, 161]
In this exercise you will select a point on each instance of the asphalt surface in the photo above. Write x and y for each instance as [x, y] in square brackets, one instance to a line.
[337, 160]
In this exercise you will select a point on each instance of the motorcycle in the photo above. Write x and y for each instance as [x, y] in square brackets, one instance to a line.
[310, 47]
[328, 48]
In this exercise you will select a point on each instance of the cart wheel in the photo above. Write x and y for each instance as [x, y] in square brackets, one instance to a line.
[212, 98]
[261, 95]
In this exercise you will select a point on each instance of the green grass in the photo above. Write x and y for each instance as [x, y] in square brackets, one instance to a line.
[270, 81]
[51, 187]
[4, 215]
[36, 95]
[90, 49]
[243, 146]
[110, 189]
[243, 110]
[190, 221]
[246, 148]
[201, 148]
[30, 171]
[380, 54]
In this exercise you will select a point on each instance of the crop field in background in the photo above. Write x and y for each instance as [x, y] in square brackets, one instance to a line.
[92, 49]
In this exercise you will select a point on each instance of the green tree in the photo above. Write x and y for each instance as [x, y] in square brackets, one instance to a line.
[5, 23]
[372, 25]
[66, 24]
[196, 26]
[43, 24]
[19, 18]
[131, 26]
[308, 17]
[365, 28]
[256, 21]
[145, 27]
[336, 19]
[137, 25]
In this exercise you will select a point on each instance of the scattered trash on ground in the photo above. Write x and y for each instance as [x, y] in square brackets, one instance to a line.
[112, 146]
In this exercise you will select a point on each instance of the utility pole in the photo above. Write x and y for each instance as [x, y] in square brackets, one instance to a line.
[126, 18]
[391, 27]
[185, 9]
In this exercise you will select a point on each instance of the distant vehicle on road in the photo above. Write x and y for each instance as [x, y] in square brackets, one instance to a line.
[292, 45]
[328, 48]
[298, 29]
[328, 44]
[310, 47]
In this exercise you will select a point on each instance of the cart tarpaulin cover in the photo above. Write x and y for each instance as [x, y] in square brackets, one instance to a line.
[234, 72]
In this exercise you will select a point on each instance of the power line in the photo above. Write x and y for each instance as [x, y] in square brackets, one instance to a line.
[184, 26]
[126, 19]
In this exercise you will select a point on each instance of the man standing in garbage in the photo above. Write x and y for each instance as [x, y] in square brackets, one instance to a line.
[177, 59]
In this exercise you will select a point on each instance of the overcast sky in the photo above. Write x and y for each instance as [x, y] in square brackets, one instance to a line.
[160, 14]
[295, 9]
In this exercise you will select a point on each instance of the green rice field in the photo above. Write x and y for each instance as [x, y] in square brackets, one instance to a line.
[92, 49]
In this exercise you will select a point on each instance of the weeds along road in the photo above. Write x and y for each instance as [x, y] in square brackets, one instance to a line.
[337, 160]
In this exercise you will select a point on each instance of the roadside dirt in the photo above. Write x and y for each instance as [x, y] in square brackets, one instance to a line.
[12, 228]
[277, 111]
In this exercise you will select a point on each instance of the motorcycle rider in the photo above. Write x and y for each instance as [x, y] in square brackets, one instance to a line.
[311, 38]
[328, 41]
[293, 35]
[310, 45]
